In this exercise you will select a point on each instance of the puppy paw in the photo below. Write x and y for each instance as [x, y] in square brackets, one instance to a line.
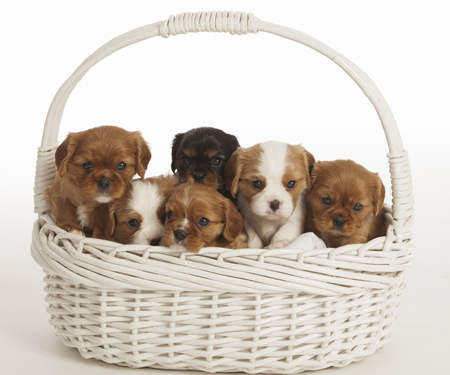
[76, 231]
[277, 245]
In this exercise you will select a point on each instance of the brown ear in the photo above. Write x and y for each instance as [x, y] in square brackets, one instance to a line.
[234, 222]
[143, 154]
[310, 160]
[233, 170]
[104, 221]
[64, 152]
[378, 196]
[314, 171]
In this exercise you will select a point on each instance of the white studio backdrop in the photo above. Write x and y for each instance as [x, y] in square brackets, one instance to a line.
[257, 87]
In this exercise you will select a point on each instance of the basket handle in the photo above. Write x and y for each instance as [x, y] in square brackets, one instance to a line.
[233, 23]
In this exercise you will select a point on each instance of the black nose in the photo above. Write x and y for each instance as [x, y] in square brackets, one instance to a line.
[274, 205]
[180, 234]
[199, 177]
[103, 184]
[338, 222]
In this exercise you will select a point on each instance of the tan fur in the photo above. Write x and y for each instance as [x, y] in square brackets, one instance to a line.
[241, 169]
[75, 187]
[346, 183]
[190, 203]
[298, 162]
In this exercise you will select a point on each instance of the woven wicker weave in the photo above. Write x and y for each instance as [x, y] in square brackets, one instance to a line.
[253, 310]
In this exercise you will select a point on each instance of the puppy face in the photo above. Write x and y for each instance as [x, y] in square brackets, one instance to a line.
[198, 216]
[342, 195]
[271, 176]
[200, 155]
[139, 214]
[100, 161]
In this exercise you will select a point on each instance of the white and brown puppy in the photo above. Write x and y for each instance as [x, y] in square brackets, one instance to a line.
[269, 180]
[139, 214]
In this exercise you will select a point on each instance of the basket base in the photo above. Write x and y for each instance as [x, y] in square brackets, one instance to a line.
[222, 332]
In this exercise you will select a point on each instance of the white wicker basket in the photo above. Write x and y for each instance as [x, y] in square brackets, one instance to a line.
[256, 311]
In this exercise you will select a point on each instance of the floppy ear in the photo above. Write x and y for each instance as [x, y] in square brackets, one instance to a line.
[378, 196]
[176, 143]
[143, 154]
[314, 171]
[233, 169]
[64, 152]
[231, 142]
[104, 221]
[307, 158]
[234, 222]
[310, 160]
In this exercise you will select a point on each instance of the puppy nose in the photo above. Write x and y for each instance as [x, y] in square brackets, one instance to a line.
[180, 234]
[199, 177]
[103, 184]
[338, 222]
[274, 205]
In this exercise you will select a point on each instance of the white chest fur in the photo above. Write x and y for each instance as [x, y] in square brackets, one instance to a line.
[262, 232]
[84, 217]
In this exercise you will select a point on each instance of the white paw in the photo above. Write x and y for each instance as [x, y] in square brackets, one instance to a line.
[75, 231]
[277, 245]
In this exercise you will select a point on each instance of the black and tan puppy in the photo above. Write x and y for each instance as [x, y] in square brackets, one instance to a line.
[200, 155]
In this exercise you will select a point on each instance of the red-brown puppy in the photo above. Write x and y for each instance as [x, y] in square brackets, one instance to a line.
[93, 169]
[345, 203]
[198, 216]
[140, 212]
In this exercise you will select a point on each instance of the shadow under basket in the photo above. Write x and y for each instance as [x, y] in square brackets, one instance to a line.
[253, 310]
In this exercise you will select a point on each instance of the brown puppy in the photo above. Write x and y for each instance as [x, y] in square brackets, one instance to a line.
[93, 169]
[345, 203]
[198, 216]
[140, 212]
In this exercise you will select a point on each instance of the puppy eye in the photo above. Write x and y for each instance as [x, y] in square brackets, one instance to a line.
[291, 184]
[185, 161]
[203, 222]
[133, 223]
[358, 207]
[87, 165]
[216, 162]
[169, 215]
[121, 166]
[326, 201]
[258, 185]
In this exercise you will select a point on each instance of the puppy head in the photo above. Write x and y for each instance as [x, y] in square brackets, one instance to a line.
[342, 194]
[271, 176]
[139, 213]
[197, 216]
[100, 161]
[200, 155]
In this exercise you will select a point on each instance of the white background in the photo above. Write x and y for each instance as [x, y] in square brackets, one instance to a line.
[257, 87]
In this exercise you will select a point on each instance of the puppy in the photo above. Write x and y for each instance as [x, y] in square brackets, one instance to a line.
[200, 155]
[269, 180]
[345, 203]
[139, 214]
[198, 216]
[93, 169]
